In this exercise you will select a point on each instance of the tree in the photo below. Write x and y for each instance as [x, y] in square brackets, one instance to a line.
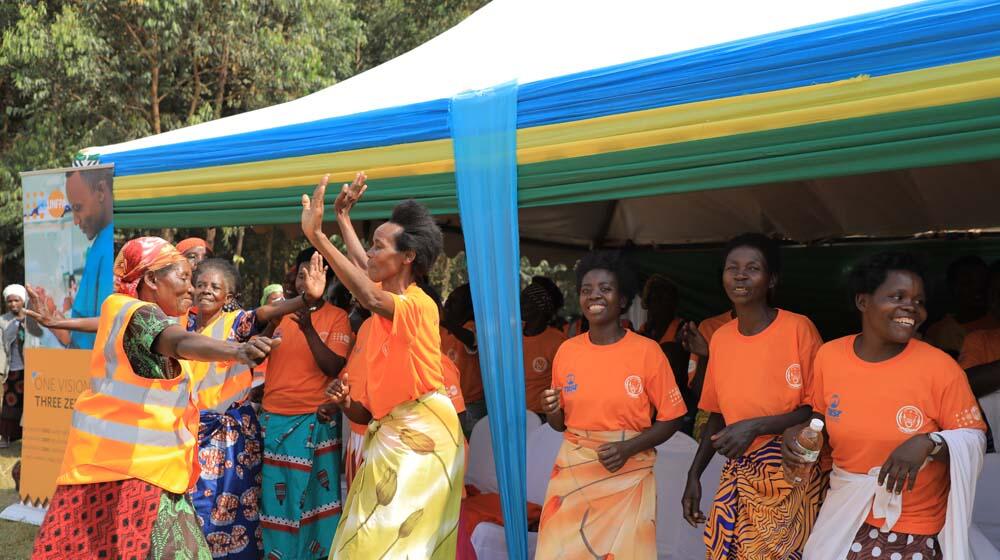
[77, 73]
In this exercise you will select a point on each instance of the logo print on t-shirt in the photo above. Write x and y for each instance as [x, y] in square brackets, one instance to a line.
[633, 386]
[452, 391]
[833, 411]
[909, 419]
[571, 385]
[539, 365]
[793, 376]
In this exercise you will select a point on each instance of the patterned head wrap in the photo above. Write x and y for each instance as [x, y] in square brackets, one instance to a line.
[190, 243]
[271, 289]
[139, 256]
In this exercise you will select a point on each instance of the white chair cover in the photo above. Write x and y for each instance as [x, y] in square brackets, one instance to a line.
[480, 470]
[675, 539]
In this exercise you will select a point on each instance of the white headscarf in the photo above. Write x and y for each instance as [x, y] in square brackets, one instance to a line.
[16, 290]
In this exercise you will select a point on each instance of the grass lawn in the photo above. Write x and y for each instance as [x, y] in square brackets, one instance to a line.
[15, 538]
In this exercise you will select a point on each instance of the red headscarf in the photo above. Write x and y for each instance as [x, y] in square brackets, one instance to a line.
[139, 256]
[190, 243]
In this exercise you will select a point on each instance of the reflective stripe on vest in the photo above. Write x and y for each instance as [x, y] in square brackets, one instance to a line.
[216, 378]
[128, 433]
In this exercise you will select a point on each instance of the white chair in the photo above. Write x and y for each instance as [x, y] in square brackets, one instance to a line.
[481, 470]
[542, 447]
[986, 510]
[675, 539]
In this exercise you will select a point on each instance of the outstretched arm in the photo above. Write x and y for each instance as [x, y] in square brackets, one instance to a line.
[368, 294]
[348, 197]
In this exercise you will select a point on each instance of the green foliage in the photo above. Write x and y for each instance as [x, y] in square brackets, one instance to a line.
[77, 73]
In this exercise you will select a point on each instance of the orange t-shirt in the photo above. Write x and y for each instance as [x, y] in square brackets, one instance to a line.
[403, 354]
[948, 334]
[766, 374]
[452, 384]
[539, 351]
[357, 372]
[616, 386]
[467, 362]
[669, 335]
[980, 347]
[707, 328]
[872, 408]
[294, 383]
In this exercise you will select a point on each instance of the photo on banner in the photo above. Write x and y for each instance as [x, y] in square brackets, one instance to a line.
[69, 258]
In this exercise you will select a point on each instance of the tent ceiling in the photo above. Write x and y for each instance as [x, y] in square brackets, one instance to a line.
[886, 204]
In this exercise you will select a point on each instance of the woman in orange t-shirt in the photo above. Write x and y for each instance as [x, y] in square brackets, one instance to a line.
[884, 396]
[615, 399]
[539, 343]
[406, 500]
[759, 365]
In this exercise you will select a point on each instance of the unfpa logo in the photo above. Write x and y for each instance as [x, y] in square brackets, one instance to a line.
[571, 385]
[833, 411]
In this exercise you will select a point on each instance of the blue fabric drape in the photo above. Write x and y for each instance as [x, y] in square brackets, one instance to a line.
[484, 131]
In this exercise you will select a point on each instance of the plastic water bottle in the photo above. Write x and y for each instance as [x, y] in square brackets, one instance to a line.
[807, 446]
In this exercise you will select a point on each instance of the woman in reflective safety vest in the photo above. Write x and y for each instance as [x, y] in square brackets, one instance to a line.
[130, 457]
[227, 494]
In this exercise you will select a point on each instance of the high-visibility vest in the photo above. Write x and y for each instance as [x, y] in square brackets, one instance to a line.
[217, 385]
[126, 426]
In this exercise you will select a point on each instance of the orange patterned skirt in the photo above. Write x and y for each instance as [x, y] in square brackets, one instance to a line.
[756, 514]
[590, 512]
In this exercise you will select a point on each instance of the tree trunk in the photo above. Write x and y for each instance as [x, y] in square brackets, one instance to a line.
[238, 255]
[154, 93]
[267, 257]
[220, 88]
[210, 238]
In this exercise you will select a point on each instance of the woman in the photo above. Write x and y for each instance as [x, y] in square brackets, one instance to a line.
[458, 343]
[404, 503]
[659, 299]
[229, 438]
[130, 457]
[301, 493]
[13, 325]
[614, 397]
[891, 403]
[539, 343]
[272, 293]
[195, 250]
[759, 366]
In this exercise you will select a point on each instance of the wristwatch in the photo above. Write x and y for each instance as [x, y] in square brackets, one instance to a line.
[938, 442]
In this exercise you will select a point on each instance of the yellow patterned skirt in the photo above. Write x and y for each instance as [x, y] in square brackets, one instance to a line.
[591, 513]
[756, 515]
[404, 503]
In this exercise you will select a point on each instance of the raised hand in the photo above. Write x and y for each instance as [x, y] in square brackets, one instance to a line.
[315, 281]
[312, 210]
[350, 194]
